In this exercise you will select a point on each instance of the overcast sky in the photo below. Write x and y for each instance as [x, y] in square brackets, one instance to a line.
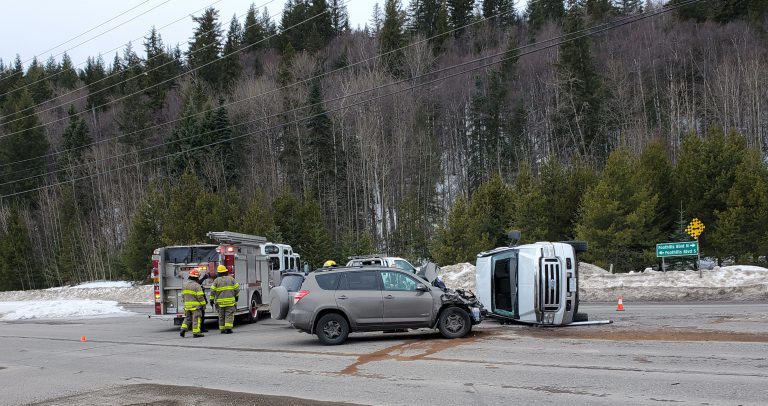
[34, 27]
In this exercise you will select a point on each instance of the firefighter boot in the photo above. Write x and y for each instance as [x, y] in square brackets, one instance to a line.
[228, 331]
[198, 335]
[182, 332]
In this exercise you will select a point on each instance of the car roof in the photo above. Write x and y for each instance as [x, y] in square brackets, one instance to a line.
[353, 268]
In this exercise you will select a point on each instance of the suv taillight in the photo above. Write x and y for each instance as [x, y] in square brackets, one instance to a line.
[300, 295]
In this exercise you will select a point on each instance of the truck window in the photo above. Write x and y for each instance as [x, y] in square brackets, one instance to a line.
[274, 263]
[404, 265]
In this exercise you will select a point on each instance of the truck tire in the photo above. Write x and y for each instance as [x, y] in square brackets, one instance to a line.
[578, 246]
[454, 322]
[580, 317]
[278, 302]
[253, 309]
[332, 329]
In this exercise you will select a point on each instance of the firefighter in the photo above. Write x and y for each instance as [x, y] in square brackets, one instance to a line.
[202, 279]
[224, 293]
[194, 300]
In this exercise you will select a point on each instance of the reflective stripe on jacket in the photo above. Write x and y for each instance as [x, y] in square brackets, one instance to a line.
[225, 291]
[193, 295]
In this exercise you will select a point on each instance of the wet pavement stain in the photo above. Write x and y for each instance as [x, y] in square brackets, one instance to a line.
[413, 350]
[664, 334]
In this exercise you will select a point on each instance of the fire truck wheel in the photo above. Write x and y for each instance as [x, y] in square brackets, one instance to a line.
[253, 310]
[278, 302]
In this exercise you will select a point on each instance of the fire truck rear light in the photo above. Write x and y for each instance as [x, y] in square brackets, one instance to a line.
[230, 249]
[158, 308]
[300, 295]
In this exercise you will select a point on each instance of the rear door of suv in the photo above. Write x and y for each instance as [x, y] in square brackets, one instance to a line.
[359, 296]
[403, 304]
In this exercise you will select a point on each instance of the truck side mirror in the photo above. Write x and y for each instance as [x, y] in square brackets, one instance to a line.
[514, 237]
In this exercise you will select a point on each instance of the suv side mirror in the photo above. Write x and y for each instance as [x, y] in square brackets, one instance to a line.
[422, 288]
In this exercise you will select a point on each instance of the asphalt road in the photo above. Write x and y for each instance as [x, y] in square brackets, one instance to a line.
[693, 353]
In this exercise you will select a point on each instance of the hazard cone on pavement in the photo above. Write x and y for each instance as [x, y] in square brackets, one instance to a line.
[620, 306]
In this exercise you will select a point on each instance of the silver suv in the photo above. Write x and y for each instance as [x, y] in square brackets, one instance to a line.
[335, 302]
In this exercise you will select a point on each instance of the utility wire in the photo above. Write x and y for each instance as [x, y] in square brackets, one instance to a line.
[156, 126]
[74, 38]
[566, 38]
[89, 40]
[107, 77]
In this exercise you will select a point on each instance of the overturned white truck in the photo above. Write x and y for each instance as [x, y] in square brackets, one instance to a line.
[533, 283]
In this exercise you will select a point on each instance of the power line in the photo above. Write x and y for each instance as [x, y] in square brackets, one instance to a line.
[268, 92]
[219, 59]
[565, 38]
[107, 77]
[92, 38]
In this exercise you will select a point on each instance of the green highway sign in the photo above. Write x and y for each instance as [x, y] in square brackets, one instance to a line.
[677, 249]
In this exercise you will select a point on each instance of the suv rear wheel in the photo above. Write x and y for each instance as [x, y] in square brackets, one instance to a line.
[332, 329]
[454, 322]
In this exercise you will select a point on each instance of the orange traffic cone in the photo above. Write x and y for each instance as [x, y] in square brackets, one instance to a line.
[620, 306]
[82, 339]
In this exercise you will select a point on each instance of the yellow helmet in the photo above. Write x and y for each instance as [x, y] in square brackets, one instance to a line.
[222, 269]
[329, 263]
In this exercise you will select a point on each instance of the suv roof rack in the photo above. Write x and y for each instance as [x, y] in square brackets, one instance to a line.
[368, 256]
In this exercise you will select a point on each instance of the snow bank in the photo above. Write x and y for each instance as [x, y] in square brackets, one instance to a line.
[122, 292]
[596, 284]
[60, 309]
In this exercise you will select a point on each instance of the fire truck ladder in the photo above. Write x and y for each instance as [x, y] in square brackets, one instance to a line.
[228, 237]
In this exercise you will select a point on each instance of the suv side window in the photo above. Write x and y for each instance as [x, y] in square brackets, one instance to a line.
[398, 281]
[328, 281]
[360, 280]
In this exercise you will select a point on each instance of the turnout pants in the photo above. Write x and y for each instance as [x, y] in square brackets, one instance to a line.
[193, 319]
[226, 317]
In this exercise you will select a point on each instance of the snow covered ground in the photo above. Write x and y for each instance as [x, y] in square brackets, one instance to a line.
[60, 309]
[596, 284]
[118, 291]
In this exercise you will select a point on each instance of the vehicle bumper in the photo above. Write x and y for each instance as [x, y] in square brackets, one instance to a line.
[300, 319]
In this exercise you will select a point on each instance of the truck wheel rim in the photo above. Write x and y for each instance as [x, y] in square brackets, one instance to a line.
[454, 323]
[332, 329]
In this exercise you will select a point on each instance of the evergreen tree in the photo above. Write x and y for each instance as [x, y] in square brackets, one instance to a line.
[161, 67]
[598, 10]
[15, 261]
[581, 84]
[322, 153]
[565, 188]
[315, 239]
[232, 69]
[377, 19]
[741, 229]
[69, 249]
[306, 25]
[630, 7]
[94, 77]
[409, 239]
[254, 31]
[68, 77]
[75, 137]
[491, 212]
[392, 37]
[452, 244]
[617, 217]
[723, 11]
[339, 17]
[704, 174]
[460, 14]
[205, 48]
[192, 212]
[656, 171]
[502, 12]
[37, 83]
[258, 219]
[23, 146]
[144, 236]
[529, 213]
[542, 11]
[424, 16]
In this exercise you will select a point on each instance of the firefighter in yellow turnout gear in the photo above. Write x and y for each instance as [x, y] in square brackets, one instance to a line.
[194, 301]
[224, 293]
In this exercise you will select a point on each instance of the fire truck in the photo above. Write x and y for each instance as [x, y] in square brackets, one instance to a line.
[255, 263]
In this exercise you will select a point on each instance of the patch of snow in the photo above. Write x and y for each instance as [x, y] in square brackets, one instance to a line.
[103, 284]
[60, 309]
[126, 294]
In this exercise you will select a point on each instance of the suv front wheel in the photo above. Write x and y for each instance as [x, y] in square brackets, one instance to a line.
[454, 322]
[332, 329]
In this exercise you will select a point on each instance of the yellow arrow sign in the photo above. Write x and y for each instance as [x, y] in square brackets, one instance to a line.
[695, 228]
